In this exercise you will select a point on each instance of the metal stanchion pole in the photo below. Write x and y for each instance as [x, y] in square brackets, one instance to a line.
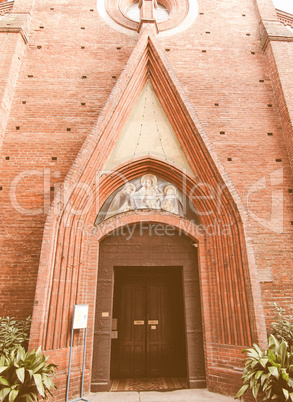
[69, 367]
[79, 322]
[83, 365]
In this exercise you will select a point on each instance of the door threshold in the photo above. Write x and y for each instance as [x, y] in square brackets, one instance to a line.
[148, 384]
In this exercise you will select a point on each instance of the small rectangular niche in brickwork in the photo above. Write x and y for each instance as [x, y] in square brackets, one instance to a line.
[41, 27]
[229, 159]
[30, 76]
[270, 105]
[17, 128]
[278, 160]
[216, 104]
[68, 129]
[207, 32]
[82, 27]
[54, 158]
[82, 104]
[23, 102]
[270, 134]
[290, 190]
[52, 8]
[252, 52]
[118, 47]
[114, 76]
[91, 9]
[261, 80]
[1, 188]
[243, 15]
[83, 77]
[82, 47]
[248, 34]
[39, 47]
[201, 13]
[204, 51]
[7, 158]
[167, 49]
[222, 132]
[51, 188]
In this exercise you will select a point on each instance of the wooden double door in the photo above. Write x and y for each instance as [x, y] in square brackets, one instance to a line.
[149, 318]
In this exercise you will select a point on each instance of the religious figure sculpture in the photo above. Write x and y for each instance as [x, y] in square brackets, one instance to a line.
[149, 195]
[123, 201]
[171, 201]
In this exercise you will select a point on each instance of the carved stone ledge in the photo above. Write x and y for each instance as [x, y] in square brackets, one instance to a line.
[285, 18]
[15, 23]
[6, 7]
[274, 31]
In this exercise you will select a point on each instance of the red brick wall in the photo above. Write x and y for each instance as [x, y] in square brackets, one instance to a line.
[51, 85]
[278, 55]
[11, 49]
[231, 83]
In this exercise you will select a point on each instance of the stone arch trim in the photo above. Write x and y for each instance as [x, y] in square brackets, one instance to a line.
[66, 264]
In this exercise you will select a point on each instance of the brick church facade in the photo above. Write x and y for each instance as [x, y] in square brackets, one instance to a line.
[146, 171]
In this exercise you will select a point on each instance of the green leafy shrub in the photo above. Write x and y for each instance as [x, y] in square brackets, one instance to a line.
[283, 327]
[13, 332]
[269, 373]
[25, 375]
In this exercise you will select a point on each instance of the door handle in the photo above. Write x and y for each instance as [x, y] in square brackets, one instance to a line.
[153, 322]
[138, 322]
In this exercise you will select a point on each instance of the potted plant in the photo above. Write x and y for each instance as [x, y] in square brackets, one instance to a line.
[268, 373]
[24, 375]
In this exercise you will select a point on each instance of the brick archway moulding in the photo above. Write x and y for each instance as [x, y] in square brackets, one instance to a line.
[66, 264]
[76, 228]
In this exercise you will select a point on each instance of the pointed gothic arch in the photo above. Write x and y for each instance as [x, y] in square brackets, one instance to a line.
[69, 263]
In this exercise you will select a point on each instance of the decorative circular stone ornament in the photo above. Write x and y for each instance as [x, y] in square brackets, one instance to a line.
[172, 16]
[161, 12]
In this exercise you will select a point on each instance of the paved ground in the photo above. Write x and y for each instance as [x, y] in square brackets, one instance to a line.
[184, 395]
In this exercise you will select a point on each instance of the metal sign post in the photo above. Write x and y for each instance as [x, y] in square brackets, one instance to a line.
[80, 314]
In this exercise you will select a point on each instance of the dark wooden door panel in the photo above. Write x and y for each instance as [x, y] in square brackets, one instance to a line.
[131, 333]
[150, 325]
[159, 336]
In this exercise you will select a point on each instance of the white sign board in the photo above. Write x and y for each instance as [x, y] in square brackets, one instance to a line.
[80, 315]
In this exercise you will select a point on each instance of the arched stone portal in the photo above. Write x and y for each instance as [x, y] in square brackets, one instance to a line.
[231, 300]
[164, 261]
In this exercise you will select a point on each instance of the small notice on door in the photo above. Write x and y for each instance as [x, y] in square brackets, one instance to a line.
[80, 315]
